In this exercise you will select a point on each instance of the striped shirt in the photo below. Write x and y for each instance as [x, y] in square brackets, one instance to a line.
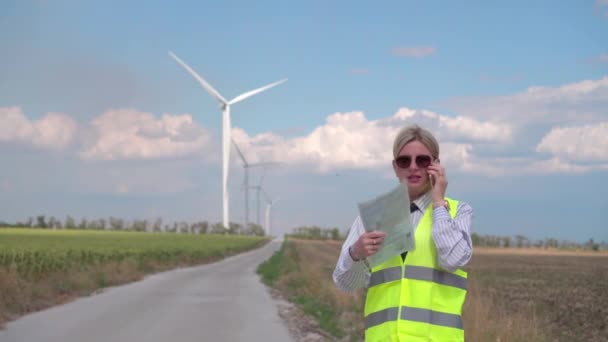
[452, 239]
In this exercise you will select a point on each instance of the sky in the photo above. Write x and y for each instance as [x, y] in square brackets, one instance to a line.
[97, 120]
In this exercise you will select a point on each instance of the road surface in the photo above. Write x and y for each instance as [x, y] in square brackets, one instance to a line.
[223, 301]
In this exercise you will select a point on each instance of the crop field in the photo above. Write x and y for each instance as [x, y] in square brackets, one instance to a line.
[514, 295]
[41, 267]
[565, 296]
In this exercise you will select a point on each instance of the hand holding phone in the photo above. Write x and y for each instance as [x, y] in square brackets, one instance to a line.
[431, 177]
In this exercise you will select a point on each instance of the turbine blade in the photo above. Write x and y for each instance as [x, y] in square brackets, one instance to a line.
[262, 178]
[265, 164]
[266, 196]
[255, 91]
[200, 80]
[240, 153]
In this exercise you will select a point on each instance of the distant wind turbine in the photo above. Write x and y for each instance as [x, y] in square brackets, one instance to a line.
[269, 205]
[246, 166]
[258, 188]
[225, 106]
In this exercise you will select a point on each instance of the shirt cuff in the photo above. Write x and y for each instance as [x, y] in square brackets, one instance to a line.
[347, 261]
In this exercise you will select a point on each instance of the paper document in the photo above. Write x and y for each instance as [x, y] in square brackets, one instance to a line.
[390, 213]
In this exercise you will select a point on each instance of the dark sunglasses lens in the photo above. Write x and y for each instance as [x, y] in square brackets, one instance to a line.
[423, 161]
[403, 161]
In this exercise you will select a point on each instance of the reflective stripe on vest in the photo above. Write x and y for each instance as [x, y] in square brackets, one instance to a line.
[419, 273]
[414, 314]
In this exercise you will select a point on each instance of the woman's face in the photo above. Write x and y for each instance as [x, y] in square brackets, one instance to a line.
[410, 167]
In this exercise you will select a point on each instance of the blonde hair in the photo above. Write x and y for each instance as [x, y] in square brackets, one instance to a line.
[415, 133]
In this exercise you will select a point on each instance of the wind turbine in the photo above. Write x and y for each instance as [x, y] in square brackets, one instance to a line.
[246, 166]
[225, 106]
[269, 205]
[258, 188]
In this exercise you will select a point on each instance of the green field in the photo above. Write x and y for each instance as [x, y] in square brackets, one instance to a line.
[34, 252]
[41, 267]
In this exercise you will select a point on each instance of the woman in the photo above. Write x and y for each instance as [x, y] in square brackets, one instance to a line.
[417, 296]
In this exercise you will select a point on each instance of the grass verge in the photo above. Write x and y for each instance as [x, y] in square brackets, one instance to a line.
[299, 270]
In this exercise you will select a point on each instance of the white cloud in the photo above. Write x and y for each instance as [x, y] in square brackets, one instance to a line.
[578, 102]
[579, 143]
[347, 140]
[131, 134]
[414, 51]
[52, 131]
[350, 140]
[456, 128]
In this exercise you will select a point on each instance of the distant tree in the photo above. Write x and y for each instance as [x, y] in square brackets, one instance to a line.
[158, 225]
[254, 229]
[506, 241]
[40, 221]
[51, 223]
[592, 245]
[139, 225]
[203, 227]
[184, 227]
[335, 234]
[218, 228]
[235, 228]
[83, 224]
[520, 240]
[69, 222]
[116, 223]
[550, 243]
[476, 239]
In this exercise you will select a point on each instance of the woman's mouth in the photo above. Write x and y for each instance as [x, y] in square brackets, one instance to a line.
[414, 179]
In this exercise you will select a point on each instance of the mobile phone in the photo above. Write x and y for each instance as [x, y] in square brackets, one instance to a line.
[431, 176]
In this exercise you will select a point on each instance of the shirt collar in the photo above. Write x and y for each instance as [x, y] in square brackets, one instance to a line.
[424, 201]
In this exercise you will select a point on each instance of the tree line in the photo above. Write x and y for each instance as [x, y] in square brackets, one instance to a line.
[118, 224]
[521, 241]
[316, 233]
[517, 241]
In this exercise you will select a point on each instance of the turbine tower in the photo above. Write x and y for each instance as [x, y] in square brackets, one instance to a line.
[269, 205]
[225, 106]
[258, 188]
[246, 166]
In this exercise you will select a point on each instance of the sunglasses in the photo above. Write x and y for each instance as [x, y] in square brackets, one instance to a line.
[422, 161]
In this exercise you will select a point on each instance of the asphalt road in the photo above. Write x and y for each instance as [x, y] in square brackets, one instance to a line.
[223, 301]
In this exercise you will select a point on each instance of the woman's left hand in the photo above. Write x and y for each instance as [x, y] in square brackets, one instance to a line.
[437, 172]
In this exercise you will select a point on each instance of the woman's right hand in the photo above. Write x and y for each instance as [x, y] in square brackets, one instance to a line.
[369, 243]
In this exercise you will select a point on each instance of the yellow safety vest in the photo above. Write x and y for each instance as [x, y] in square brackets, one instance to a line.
[416, 300]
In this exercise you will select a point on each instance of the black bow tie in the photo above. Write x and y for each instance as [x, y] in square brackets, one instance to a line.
[413, 207]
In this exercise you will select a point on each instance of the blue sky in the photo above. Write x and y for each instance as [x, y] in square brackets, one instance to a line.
[96, 120]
